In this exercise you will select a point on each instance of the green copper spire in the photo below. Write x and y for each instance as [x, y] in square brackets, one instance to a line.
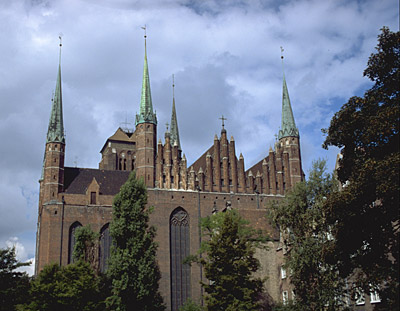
[288, 127]
[174, 132]
[55, 132]
[146, 114]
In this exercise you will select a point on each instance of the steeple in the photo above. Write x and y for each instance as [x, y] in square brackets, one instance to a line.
[288, 127]
[146, 114]
[174, 132]
[55, 132]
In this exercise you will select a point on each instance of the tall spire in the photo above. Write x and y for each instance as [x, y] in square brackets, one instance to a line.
[288, 126]
[174, 132]
[146, 114]
[55, 131]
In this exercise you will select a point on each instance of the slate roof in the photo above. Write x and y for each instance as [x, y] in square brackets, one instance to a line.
[77, 180]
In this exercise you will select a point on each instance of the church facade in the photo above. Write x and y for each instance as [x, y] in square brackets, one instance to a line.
[181, 194]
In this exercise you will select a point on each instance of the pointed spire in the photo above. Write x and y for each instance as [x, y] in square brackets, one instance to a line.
[174, 121]
[146, 114]
[55, 132]
[288, 126]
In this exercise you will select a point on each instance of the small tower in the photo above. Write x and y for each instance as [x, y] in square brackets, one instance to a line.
[52, 179]
[289, 138]
[174, 131]
[146, 130]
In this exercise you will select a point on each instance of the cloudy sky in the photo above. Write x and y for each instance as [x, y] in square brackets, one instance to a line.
[225, 56]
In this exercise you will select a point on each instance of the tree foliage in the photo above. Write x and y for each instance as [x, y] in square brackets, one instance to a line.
[229, 263]
[367, 210]
[13, 283]
[73, 287]
[306, 233]
[133, 267]
[86, 246]
[190, 305]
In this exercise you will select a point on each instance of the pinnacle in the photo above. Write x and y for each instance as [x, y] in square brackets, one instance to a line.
[264, 162]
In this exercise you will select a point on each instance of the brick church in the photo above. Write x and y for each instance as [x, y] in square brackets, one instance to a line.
[181, 194]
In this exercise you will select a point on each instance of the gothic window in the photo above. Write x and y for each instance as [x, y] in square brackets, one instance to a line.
[124, 164]
[71, 240]
[179, 250]
[120, 164]
[104, 247]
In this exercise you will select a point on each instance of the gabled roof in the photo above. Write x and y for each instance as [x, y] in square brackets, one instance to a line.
[77, 180]
[120, 136]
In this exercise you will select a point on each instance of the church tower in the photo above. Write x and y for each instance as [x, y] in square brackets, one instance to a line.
[146, 130]
[289, 139]
[51, 182]
[52, 179]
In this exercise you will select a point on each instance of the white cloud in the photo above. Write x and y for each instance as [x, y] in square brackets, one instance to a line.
[21, 255]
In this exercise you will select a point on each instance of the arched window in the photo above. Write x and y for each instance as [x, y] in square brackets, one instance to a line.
[179, 250]
[71, 240]
[104, 247]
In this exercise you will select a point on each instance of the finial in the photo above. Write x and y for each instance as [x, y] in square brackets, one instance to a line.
[144, 28]
[276, 137]
[60, 35]
[167, 125]
[145, 36]
[223, 119]
[283, 69]
[173, 85]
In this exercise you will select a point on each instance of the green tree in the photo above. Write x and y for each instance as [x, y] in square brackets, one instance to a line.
[86, 246]
[14, 285]
[307, 238]
[133, 267]
[229, 263]
[190, 305]
[367, 210]
[73, 287]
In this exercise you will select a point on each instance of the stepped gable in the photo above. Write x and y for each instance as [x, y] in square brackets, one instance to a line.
[78, 179]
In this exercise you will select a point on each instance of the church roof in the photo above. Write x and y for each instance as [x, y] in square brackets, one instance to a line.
[257, 167]
[120, 135]
[77, 180]
[201, 162]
